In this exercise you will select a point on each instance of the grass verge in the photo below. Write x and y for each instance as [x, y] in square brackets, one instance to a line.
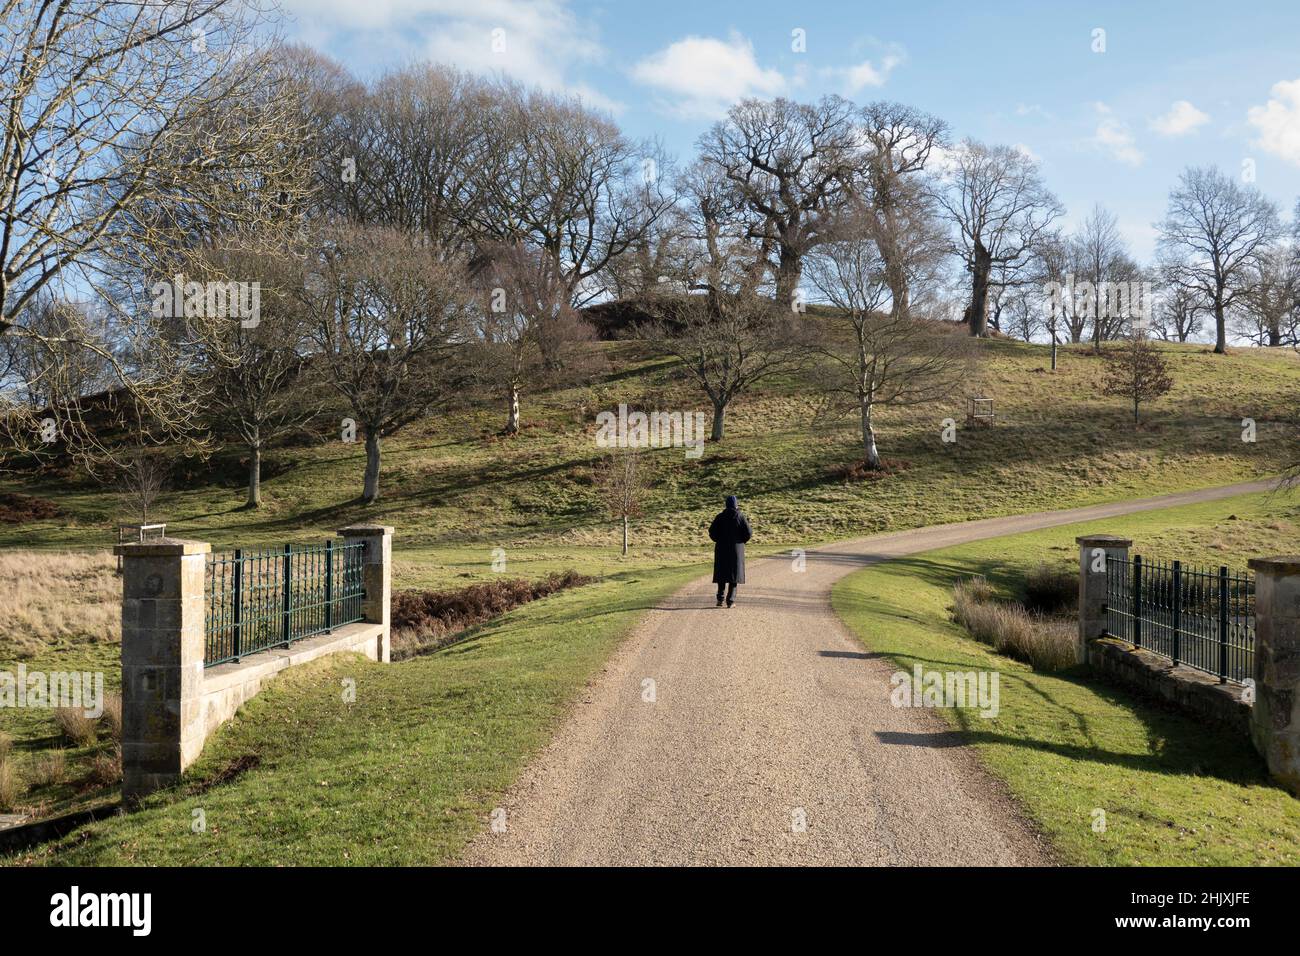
[1173, 791]
[404, 774]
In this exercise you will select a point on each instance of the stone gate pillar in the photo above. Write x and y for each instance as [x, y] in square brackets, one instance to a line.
[1093, 549]
[162, 661]
[377, 574]
[1275, 718]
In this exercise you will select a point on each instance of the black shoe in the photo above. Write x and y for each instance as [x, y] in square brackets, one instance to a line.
[730, 603]
[719, 602]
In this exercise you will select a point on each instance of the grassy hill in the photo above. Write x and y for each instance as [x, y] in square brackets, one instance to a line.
[455, 489]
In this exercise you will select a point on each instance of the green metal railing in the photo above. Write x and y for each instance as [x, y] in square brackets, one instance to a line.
[270, 597]
[1200, 617]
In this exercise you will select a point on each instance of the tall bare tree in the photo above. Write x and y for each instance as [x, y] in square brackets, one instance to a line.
[1216, 229]
[901, 140]
[1001, 210]
[123, 124]
[1270, 303]
[388, 315]
[886, 359]
[794, 165]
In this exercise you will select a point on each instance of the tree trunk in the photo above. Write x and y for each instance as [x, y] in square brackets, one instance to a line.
[1274, 336]
[1053, 350]
[255, 475]
[371, 489]
[1135, 409]
[977, 312]
[869, 438]
[512, 414]
[719, 414]
[625, 536]
[788, 273]
[1221, 338]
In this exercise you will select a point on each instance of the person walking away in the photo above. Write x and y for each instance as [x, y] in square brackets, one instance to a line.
[729, 532]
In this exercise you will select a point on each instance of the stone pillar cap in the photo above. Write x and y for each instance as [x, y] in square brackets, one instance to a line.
[1282, 564]
[1104, 540]
[359, 530]
[161, 548]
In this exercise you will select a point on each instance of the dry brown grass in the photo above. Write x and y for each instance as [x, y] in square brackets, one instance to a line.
[11, 785]
[1046, 643]
[111, 720]
[50, 597]
[105, 769]
[76, 727]
[50, 769]
[6, 745]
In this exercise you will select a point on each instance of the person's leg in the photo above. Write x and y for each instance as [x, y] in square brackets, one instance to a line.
[721, 589]
[731, 594]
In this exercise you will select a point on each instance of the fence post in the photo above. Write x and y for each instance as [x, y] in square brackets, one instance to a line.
[162, 661]
[1136, 601]
[1094, 549]
[1178, 611]
[329, 585]
[238, 605]
[1275, 718]
[377, 576]
[287, 595]
[1223, 625]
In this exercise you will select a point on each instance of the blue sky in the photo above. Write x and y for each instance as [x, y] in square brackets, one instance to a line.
[1178, 83]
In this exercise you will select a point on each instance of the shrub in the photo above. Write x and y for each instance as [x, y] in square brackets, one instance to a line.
[76, 727]
[1050, 590]
[1047, 644]
[105, 768]
[426, 620]
[6, 745]
[110, 721]
[50, 769]
[11, 785]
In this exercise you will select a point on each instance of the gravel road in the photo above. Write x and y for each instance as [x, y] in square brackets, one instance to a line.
[765, 717]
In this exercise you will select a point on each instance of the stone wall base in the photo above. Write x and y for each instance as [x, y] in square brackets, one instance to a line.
[1199, 694]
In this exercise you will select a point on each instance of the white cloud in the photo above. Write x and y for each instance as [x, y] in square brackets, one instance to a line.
[703, 76]
[1112, 136]
[537, 42]
[868, 73]
[1181, 119]
[1278, 121]
[1026, 152]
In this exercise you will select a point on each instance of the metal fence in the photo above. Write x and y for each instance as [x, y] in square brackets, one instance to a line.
[1199, 617]
[269, 597]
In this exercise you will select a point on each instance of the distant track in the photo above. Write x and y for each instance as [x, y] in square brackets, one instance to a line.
[763, 711]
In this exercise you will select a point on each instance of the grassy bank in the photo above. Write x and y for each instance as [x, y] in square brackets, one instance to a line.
[405, 773]
[1174, 791]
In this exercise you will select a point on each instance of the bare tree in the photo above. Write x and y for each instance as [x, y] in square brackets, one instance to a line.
[728, 344]
[623, 482]
[563, 180]
[387, 314]
[901, 140]
[1216, 229]
[886, 359]
[794, 165]
[142, 476]
[1102, 259]
[1001, 210]
[258, 375]
[123, 123]
[1136, 370]
[1270, 302]
[527, 333]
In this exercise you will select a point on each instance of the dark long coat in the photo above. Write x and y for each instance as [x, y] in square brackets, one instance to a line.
[729, 532]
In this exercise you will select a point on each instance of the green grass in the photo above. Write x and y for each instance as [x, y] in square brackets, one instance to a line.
[406, 774]
[1174, 790]
[455, 489]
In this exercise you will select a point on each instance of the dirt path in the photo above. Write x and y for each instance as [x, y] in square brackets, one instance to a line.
[762, 715]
